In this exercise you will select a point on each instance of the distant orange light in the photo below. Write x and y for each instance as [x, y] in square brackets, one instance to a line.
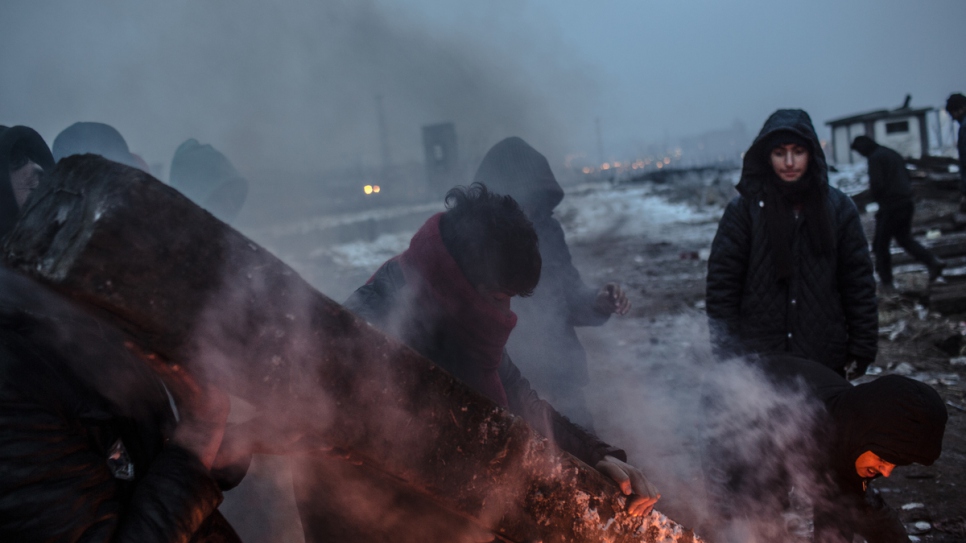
[376, 189]
[587, 169]
[605, 166]
[367, 189]
[667, 160]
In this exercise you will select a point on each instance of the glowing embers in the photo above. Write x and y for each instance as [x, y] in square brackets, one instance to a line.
[371, 189]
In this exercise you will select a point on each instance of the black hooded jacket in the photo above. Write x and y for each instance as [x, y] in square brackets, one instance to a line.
[544, 342]
[83, 450]
[827, 310]
[899, 419]
[889, 180]
[18, 140]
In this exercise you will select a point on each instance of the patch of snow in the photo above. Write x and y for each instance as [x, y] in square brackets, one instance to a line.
[366, 254]
[606, 211]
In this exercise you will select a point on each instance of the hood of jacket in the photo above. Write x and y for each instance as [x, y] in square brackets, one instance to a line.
[514, 168]
[899, 419]
[95, 138]
[205, 175]
[28, 141]
[756, 167]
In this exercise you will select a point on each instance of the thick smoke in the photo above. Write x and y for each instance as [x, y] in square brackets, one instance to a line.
[691, 422]
[284, 86]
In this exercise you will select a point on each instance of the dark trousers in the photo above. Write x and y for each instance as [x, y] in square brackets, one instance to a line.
[896, 223]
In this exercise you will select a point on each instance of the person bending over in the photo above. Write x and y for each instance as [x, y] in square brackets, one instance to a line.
[448, 297]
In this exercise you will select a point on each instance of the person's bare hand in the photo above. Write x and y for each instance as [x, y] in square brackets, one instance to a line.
[202, 408]
[264, 434]
[612, 299]
[642, 494]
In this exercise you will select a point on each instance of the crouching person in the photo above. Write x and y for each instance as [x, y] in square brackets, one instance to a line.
[90, 447]
[859, 433]
[448, 297]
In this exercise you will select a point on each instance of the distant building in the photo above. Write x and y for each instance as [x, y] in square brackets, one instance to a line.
[442, 159]
[903, 129]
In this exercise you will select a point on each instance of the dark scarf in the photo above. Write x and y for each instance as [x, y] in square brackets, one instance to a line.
[443, 294]
[782, 199]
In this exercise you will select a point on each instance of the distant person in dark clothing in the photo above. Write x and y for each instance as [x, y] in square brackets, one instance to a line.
[956, 107]
[544, 343]
[206, 176]
[892, 190]
[94, 138]
[789, 270]
[24, 159]
[448, 297]
[860, 433]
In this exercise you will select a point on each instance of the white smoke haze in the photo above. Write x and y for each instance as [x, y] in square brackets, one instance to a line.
[285, 86]
[685, 418]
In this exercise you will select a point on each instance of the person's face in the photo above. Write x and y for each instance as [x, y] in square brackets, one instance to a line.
[24, 179]
[497, 297]
[789, 161]
[869, 465]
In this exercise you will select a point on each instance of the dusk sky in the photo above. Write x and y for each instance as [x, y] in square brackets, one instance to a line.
[293, 85]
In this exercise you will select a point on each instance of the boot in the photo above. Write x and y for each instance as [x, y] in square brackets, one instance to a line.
[887, 290]
[936, 270]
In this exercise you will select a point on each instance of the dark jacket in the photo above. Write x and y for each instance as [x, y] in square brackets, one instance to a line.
[382, 302]
[888, 177]
[82, 435]
[827, 311]
[544, 342]
[18, 141]
[961, 147]
[899, 419]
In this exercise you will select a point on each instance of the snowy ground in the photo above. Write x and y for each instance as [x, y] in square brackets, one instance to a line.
[654, 239]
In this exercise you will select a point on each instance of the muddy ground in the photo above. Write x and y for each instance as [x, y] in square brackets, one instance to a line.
[665, 279]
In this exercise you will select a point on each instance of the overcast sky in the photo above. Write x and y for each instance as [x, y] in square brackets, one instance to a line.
[293, 84]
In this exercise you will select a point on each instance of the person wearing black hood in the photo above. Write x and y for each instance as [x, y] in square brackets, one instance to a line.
[956, 107]
[544, 343]
[206, 176]
[863, 432]
[789, 270]
[892, 190]
[90, 447]
[24, 158]
[98, 139]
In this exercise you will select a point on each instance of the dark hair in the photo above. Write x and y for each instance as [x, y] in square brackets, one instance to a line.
[864, 145]
[491, 239]
[955, 102]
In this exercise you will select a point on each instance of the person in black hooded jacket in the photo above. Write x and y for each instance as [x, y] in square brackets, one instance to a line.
[90, 447]
[864, 432]
[24, 158]
[544, 343]
[892, 190]
[789, 270]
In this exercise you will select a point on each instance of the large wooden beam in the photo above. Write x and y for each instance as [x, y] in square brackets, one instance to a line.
[186, 286]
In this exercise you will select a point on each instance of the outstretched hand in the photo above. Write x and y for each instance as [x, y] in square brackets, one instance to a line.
[612, 299]
[642, 494]
[202, 408]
